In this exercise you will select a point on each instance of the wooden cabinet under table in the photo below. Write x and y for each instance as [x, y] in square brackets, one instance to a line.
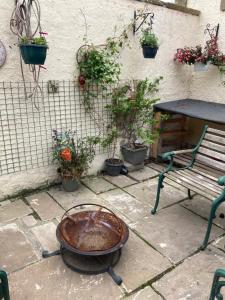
[186, 119]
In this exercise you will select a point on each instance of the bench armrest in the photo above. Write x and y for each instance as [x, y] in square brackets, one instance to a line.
[221, 180]
[169, 155]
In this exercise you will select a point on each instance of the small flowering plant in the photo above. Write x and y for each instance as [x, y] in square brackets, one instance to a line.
[73, 157]
[190, 56]
[197, 54]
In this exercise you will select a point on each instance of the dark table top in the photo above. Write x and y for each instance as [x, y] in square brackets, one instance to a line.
[209, 111]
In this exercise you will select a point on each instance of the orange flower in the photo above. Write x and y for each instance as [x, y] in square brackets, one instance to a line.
[66, 154]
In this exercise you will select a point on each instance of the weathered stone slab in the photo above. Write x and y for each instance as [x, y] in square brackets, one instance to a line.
[145, 294]
[51, 279]
[120, 181]
[29, 221]
[139, 263]
[68, 200]
[45, 206]
[98, 184]
[220, 243]
[146, 193]
[143, 174]
[202, 207]
[193, 278]
[126, 204]
[16, 251]
[5, 202]
[175, 232]
[14, 210]
[46, 235]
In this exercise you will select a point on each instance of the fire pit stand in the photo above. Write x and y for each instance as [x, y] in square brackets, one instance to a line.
[91, 241]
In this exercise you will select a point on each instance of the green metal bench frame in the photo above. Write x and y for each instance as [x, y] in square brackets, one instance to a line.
[169, 156]
[4, 286]
[217, 285]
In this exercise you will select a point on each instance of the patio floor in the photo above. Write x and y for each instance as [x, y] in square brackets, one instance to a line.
[161, 259]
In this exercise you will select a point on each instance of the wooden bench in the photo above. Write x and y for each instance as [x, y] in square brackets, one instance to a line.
[202, 173]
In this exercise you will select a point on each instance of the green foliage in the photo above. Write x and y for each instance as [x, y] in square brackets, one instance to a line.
[110, 141]
[149, 39]
[81, 152]
[132, 110]
[35, 41]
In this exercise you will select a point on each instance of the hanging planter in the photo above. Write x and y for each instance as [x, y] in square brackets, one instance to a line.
[149, 43]
[33, 53]
[200, 67]
[149, 52]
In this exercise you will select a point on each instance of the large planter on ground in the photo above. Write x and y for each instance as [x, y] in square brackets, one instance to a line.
[135, 156]
[33, 54]
[200, 67]
[113, 166]
[149, 52]
[70, 183]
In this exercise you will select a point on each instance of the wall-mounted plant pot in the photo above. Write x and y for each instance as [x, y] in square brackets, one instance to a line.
[70, 184]
[33, 54]
[149, 52]
[134, 156]
[200, 67]
[113, 166]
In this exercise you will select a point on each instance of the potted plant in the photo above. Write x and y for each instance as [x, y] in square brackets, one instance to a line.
[74, 157]
[33, 50]
[132, 112]
[113, 165]
[149, 43]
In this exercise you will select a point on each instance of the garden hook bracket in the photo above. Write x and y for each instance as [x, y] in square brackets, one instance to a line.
[143, 17]
[212, 31]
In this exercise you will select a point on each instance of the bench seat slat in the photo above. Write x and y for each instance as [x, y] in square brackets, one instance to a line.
[215, 138]
[198, 183]
[213, 146]
[211, 162]
[216, 131]
[189, 186]
[212, 153]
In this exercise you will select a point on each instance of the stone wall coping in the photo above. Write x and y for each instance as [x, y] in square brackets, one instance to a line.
[173, 6]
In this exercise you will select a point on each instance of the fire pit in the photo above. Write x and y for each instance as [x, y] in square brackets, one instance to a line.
[91, 240]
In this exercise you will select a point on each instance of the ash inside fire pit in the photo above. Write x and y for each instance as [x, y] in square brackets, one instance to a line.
[91, 231]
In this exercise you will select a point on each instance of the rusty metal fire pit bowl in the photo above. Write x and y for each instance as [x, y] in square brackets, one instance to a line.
[92, 237]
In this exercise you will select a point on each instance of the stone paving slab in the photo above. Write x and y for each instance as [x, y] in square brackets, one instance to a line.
[220, 243]
[50, 279]
[98, 184]
[143, 174]
[45, 206]
[120, 181]
[139, 263]
[126, 204]
[68, 200]
[16, 251]
[146, 193]
[175, 232]
[145, 294]
[29, 221]
[202, 207]
[46, 235]
[14, 210]
[193, 278]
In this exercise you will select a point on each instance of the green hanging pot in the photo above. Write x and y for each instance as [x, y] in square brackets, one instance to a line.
[33, 54]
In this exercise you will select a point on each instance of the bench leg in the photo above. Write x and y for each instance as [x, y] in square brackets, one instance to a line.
[160, 186]
[189, 194]
[216, 203]
[217, 285]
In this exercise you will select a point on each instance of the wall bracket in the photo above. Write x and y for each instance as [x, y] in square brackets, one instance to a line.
[143, 17]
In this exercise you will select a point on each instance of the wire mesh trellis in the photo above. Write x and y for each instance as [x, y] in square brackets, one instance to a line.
[26, 133]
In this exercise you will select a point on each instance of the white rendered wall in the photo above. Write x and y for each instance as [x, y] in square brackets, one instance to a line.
[65, 26]
[208, 85]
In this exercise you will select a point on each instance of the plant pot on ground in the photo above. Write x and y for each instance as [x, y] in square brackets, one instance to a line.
[132, 112]
[33, 51]
[113, 166]
[73, 157]
[149, 43]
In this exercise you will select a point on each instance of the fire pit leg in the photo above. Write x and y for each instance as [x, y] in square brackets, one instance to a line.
[118, 280]
[46, 254]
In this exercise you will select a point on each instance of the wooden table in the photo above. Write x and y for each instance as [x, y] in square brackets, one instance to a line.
[174, 130]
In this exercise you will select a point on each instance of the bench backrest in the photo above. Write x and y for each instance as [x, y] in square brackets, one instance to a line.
[212, 149]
